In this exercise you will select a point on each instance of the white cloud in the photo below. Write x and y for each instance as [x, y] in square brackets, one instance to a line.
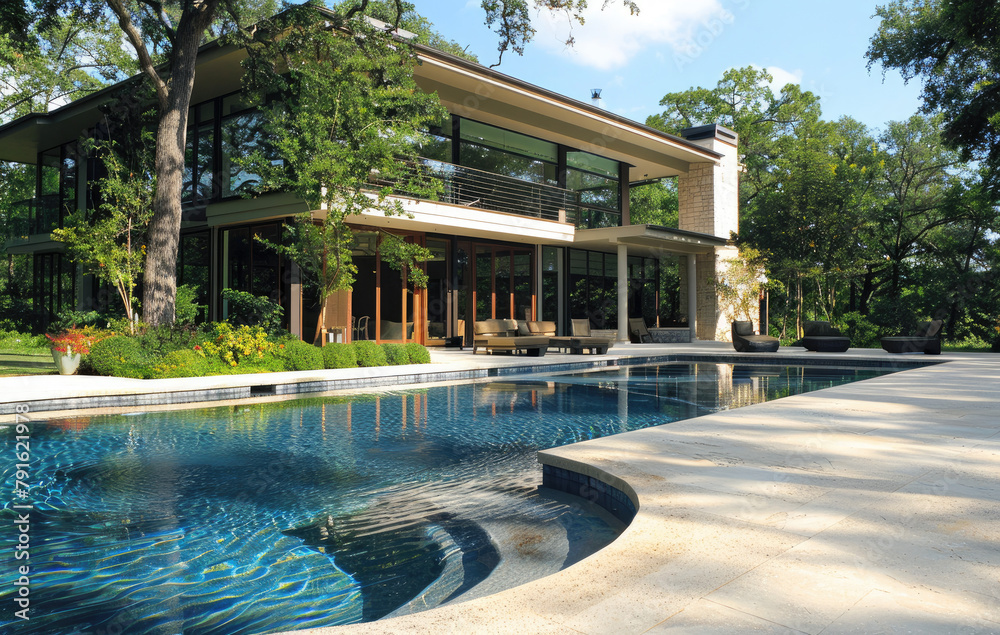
[611, 37]
[781, 77]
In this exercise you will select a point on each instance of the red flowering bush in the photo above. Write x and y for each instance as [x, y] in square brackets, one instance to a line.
[76, 340]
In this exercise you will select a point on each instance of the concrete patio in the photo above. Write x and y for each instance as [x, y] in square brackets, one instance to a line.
[872, 507]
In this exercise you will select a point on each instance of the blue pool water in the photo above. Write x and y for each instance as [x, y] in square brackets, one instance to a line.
[281, 516]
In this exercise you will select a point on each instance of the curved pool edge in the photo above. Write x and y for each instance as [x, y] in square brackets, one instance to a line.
[815, 510]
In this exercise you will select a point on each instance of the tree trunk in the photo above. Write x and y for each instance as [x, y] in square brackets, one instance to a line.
[160, 280]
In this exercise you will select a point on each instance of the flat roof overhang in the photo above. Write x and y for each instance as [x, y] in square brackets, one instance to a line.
[478, 93]
[647, 240]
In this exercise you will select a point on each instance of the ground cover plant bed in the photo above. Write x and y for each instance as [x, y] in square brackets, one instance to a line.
[221, 348]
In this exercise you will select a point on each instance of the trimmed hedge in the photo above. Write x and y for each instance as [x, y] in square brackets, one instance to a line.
[299, 355]
[337, 355]
[120, 356]
[185, 363]
[395, 354]
[417, 353]
[369, 353]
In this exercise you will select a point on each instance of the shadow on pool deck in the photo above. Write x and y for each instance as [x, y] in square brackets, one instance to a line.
[869, 507]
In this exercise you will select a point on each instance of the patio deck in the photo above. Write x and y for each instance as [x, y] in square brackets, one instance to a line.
[870, 507]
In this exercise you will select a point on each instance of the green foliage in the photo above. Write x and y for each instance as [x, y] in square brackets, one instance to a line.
[252, 310]
[18, 342]
[417, 353]
[952, 48]
[395, 354]
[235, 346]
[159, 340]
[739, 284]
[298, 355]
[349, 109]
[863, 333]
[182, 363]
[187, 307]
[368, 353]
[121, 356]
[654, 203]
[337, 355]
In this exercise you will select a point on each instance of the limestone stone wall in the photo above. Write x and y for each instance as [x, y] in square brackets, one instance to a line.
[708, 202]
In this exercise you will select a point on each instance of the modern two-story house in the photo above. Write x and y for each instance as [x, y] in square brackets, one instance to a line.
[533, 222]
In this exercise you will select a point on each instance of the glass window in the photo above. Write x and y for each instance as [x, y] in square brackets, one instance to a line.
[241, 135]
[597, 191]
[437, 289]
[513, 142]
[592, 163]
[199, 156]
[550, 284]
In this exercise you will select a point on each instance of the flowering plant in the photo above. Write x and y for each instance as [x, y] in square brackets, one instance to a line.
[76, 340]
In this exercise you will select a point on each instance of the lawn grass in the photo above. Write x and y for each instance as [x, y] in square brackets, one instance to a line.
[12, 365]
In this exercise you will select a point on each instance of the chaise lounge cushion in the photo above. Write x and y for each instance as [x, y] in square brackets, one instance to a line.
[745, 341]
[927, 340]
[819, 336]
[502, 335]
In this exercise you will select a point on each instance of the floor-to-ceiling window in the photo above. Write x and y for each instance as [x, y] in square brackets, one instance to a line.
[53, 287]
[249, 265]
[194, 267]
[593, 288]
[504, 282]
[437, 290]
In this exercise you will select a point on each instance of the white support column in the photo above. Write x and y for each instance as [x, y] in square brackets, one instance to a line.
[692, 283]
[622, 293]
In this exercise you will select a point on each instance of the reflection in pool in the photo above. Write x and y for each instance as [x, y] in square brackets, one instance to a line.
[267, 517]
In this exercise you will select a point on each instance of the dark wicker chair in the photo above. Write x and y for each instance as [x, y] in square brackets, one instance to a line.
[819, 336]
[926, 340]
[745, 341]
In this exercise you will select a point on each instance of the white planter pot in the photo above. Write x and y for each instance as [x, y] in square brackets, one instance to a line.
[66, 363]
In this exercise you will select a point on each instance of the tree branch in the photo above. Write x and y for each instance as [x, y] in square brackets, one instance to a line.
[135, 39]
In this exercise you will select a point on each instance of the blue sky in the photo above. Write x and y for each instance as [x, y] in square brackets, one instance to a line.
[673, 45]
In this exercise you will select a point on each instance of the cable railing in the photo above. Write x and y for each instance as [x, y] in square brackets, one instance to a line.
[479, 189]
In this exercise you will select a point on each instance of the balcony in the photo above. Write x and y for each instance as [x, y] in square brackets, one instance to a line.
[32, 217]
[477, 189]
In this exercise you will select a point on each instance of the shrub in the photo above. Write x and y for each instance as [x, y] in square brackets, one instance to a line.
[395, 354]
[298, 355]
[860, 329]
[186, 307]
[236, 345]
[418, 353]
[182, 363]
[160, 340]
[369, 353]
[23, 342]
[253, 310]
[337, 355]
[120, 356]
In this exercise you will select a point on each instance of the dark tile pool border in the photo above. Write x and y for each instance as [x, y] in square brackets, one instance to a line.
[612, 499]
[258, 387]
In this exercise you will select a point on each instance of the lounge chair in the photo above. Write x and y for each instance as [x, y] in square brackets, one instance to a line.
[926, 340]
[582, 340]
[819, 336]
[501, 336]
[745, 341]
[637, 331]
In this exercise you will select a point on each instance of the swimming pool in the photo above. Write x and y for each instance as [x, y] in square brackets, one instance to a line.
[317, 512]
